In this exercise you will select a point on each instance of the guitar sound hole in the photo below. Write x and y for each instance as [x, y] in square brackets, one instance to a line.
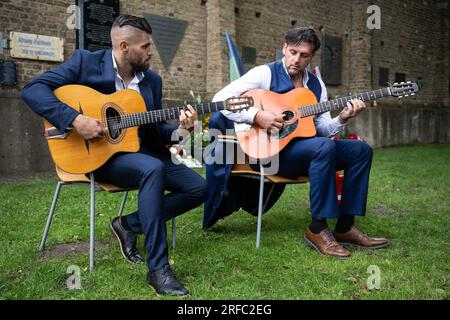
[113, 120]
[288, 115]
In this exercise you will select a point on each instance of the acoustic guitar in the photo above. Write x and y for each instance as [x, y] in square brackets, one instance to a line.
[298, 108]
[120, 113]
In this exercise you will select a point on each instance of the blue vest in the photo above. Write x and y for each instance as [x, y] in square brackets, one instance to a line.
[281, 82]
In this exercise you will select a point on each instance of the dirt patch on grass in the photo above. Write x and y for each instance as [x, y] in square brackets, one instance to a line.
[64, 249]
[383, 211]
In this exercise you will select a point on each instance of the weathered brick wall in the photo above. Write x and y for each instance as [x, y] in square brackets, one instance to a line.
[188, 68]
[220, 18]
[45, 17]
[22, 147]
[48, 17]
[413, 39]
[266, 32]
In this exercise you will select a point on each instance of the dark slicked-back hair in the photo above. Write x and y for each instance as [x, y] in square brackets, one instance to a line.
[132, 21]
[297, 35]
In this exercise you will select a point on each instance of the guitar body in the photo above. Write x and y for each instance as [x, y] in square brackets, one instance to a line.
[74, 154]
[258, 143]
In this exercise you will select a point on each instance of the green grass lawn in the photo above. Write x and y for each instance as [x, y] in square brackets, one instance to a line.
[409, 202]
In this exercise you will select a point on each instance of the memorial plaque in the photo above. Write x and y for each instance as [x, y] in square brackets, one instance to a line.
[383, 77]
[419, 81]
[248, 57]
[400, 77]
[36, 47]
[167, 35]
[279, 54]
[97, 17]
[331, 60]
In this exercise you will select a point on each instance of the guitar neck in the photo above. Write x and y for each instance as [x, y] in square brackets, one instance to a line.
[340, 103]
[141, 118]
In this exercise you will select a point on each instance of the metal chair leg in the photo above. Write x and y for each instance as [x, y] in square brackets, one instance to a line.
[92, 224]
[260, 205]
[268, 196]
[122, 206]
[50, 215]
[174, 235]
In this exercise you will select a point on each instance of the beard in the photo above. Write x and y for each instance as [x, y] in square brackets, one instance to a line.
[295, 72]
[139, 65]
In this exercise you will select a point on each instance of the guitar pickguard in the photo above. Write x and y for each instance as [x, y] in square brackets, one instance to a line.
[287, 129]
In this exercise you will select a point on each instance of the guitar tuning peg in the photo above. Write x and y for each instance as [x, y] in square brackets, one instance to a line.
[402, 82]
[413, 94]
[409, 82]
[400, 97]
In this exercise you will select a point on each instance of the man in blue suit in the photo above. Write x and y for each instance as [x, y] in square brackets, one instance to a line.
[318, 157]
[126, 66]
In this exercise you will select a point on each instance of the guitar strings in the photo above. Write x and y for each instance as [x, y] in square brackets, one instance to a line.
[160, 113]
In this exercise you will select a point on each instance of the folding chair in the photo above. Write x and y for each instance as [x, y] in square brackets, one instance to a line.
[66, 178]
[245, 171]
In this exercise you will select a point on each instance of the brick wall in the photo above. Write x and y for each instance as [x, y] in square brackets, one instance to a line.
[414, 40]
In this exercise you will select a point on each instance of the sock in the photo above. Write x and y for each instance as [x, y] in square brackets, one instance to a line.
[318, 225]
[344, 223]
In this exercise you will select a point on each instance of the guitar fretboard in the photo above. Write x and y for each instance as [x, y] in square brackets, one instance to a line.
[141, 118]
[340, 103]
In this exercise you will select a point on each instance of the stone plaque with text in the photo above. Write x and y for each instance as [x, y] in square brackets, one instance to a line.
[331, 60]
[36, 47]
[97, 17]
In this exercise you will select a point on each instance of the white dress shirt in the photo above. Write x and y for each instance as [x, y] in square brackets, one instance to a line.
[120, 84]
[259, 78]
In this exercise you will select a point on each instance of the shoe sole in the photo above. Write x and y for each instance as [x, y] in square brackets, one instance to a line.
[160, 295]
[312, 245]
[120, 244]
[154, 290]
[364, 247]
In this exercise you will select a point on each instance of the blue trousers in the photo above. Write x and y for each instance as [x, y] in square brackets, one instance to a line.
[320, 158]
[154, 174]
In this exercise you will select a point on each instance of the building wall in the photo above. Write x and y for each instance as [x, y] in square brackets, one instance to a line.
[413, 39]
[22, 146]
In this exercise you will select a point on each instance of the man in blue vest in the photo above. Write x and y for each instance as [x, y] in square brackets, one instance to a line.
[126, 66]
[318, 157]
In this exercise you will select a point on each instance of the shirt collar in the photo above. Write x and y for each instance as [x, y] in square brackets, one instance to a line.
[139, 75]
[305, 74]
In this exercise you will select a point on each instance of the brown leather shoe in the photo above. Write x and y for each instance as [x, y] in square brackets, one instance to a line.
[358, 238]
[325, 244]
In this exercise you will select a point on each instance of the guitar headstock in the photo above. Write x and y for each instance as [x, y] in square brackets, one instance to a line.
[404, 89]
[235, 104]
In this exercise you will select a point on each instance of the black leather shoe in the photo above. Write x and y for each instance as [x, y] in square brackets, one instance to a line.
[164, 282]
[127, 241]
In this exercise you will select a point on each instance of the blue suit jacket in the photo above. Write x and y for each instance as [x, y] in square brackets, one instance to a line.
[228, 194]
[95, 70]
